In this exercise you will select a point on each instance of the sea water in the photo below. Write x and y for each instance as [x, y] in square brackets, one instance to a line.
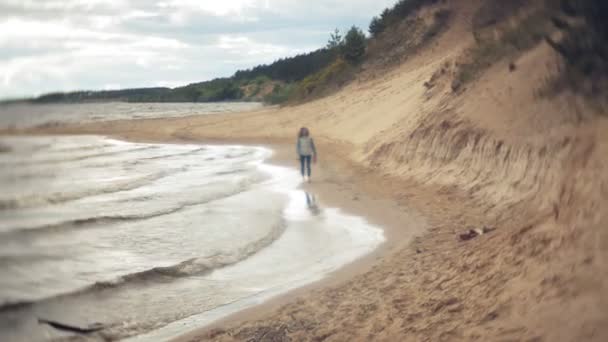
[22, 115]
[153, 239]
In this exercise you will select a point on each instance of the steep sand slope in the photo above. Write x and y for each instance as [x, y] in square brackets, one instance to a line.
[495, 155]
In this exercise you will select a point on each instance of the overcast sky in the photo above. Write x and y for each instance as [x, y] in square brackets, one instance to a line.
[61, 45]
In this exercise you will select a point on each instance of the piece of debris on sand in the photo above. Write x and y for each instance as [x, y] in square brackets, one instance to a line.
[475, 232]
[72, 328]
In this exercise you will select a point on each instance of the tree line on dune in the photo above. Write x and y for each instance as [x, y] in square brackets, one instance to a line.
[283, 80]
[582, 44]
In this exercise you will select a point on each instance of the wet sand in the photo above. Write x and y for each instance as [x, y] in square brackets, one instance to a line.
[338, 184]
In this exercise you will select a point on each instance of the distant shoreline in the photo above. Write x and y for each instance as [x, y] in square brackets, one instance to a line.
[17, 117]
[34, 102]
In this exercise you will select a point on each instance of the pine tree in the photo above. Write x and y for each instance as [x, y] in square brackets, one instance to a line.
[353, 48]
[376, 26]
[335, 40]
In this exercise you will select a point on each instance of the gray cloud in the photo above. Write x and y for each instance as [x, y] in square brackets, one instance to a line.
[60, 45]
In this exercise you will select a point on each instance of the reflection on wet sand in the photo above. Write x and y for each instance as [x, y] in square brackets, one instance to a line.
[311, 203]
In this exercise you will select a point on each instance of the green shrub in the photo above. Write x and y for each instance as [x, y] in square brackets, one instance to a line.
[393, 15]
[261, 79]
[317, 83]
[280, 94]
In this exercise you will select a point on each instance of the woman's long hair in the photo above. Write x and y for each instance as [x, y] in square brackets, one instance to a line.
[303, 132]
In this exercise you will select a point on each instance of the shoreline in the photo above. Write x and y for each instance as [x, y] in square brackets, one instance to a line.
[345, 195]
[334, 185]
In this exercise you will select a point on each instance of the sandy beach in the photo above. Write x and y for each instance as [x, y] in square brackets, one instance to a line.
[424, 283]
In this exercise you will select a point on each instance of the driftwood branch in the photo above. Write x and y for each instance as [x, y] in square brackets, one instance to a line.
[71, 328]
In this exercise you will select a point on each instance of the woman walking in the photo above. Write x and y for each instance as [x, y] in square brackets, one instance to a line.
[306, 151]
